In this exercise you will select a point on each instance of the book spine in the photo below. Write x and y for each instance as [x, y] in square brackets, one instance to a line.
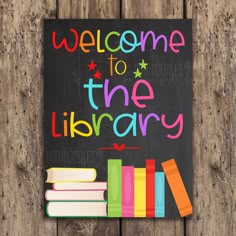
[150, 185]
[139, 192]
[114, 188]
[177, 187]
[160, 194]
[127, 191]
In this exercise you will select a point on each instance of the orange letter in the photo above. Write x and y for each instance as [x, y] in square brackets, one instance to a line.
[65, 125]
[111, 58]
[83, 44]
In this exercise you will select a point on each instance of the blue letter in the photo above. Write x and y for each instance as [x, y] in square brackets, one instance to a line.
[90, 87]
[131, 125]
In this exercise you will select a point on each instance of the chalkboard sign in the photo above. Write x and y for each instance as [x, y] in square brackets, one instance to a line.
[118, 112]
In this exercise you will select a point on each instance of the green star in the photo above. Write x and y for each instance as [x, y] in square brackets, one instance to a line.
[137, 73]
[143, 64]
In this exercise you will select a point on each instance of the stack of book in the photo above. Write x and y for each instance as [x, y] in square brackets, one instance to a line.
[131, 191]
[140, 192]
[75, 194]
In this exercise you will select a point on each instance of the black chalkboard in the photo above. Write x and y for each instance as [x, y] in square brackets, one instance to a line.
[166, 67]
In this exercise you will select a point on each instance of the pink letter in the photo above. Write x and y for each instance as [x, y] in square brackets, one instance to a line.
[172, 44]
[178, 121]
[135, 98]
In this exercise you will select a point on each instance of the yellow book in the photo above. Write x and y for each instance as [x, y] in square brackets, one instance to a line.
[139, 192]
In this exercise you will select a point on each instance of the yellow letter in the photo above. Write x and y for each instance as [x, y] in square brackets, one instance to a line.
[99, 50]
[73, 124]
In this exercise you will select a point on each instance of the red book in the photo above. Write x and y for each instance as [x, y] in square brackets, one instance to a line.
[150, 188]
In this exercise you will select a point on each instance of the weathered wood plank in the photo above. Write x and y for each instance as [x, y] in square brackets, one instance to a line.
[152, 9]
[214, 130]
[21, 108]
[88, 9]
[94, 9]
[213, 110]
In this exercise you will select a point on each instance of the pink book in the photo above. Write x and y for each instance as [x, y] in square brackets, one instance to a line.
[127, 191]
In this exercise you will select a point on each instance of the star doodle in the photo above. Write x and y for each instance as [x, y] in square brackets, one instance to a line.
[92, 65]
[143, 64]
[97, 75]
[137, 73]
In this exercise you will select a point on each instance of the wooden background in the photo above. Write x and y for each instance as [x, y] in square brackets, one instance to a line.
[21, 116]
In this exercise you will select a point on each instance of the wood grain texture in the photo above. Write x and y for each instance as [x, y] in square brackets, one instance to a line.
[88, 9]
[94, 9]
[214, 130]
[154, 10]
[21, 108]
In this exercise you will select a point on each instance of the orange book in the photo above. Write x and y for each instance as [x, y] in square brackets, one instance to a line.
[177, 187]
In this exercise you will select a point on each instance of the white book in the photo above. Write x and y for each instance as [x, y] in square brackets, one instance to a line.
[76, 209]
[80, 186]
[71, 195]
[70, 174]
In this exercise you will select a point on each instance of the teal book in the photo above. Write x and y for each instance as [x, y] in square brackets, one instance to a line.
[114, 188]
[159, 194]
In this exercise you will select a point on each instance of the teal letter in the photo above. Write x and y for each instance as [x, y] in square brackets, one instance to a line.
[133, 44]
[132, 124]
[90, 86]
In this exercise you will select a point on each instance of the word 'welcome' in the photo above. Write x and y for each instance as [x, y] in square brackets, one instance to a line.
[128, 41]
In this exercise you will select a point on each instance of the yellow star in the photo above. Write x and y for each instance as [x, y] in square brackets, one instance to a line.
[137, 73]
[143, 64]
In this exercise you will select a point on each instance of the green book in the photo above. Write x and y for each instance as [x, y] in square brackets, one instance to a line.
[114, 188]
